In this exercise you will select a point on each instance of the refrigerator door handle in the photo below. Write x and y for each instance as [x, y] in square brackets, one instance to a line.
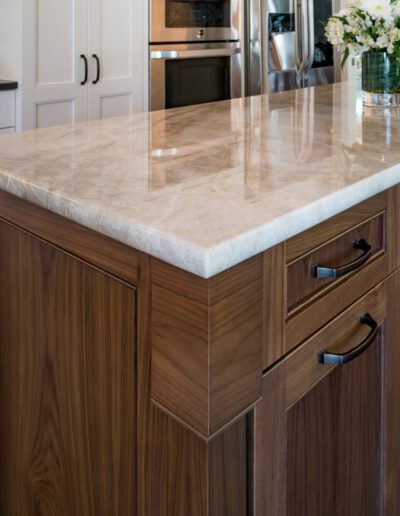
[311, 37]
[302, 40]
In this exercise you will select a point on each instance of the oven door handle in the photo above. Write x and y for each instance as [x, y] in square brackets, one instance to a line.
[193, 54]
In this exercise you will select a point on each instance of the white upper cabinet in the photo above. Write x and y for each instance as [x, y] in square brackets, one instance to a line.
[54, 35]
[80, 60]
[115, 61]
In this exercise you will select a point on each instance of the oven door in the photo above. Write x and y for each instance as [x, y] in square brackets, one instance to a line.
[183, 75]
[194, 20]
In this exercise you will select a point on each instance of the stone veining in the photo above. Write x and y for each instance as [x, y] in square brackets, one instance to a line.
[209, 186]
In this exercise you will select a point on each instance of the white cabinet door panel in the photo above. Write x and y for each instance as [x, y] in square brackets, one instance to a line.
[116, 36]
[115, 105]
[52, 69]
[49, 114]
[55, 42]
[54, 35]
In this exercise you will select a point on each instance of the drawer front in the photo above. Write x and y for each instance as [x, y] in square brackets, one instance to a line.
[313, 274]
[296, 304]
[346, 333]
[7, 109]
[310, 303]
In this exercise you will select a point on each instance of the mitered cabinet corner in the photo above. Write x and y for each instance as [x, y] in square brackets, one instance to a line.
[129, 386]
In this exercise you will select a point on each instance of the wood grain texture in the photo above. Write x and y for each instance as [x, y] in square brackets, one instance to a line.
[340, 335]
[320, 435]
[303, 286]
[67, 384]
[393, 234]
[103, 252]
[227, 472]
[307, 321]
[274, 305]
[207, 343]
[392, 398]
[334, 442]
[270, 437]
[180, 474]
[318, 235]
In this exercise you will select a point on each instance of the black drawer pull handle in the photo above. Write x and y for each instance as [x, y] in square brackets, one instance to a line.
[96, 58]
[86, 69]
[336, 272]
[342, 358]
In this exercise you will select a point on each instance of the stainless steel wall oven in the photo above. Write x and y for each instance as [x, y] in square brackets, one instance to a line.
[194, 20]
[195, 52]
[187, 74]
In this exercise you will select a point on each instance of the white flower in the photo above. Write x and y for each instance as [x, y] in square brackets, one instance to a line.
[346, 11]
[396, 9]
[383, 41]
[335, 31]
[396, 34]
[388, 25]
[364, 25]
[366, 40]
[378, 8]
[355, 49]
[348, 28]
[368, 22]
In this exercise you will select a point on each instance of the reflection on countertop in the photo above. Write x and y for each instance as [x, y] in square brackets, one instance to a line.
[208, 186]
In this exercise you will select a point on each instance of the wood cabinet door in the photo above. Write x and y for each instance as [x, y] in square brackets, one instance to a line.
[327, 435]
[67, 384]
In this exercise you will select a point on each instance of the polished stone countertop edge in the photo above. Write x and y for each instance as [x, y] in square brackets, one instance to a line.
[299, 220]
[206, 262]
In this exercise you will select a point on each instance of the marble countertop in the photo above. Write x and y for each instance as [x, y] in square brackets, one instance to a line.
[209, 186]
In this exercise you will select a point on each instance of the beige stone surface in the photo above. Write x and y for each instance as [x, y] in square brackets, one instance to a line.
[209, 186]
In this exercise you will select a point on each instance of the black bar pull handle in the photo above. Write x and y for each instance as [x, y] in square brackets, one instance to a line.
[86, 69]
[336, 272]
[96, 58]
[342, 358]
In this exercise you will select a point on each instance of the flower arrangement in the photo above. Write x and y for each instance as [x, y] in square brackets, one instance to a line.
[366, 25]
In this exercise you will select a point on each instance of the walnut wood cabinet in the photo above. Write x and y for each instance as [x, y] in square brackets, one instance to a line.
[67, 384]
[324, 433]
[129, 387]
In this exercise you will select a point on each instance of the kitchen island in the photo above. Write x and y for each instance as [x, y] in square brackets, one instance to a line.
[178, 290]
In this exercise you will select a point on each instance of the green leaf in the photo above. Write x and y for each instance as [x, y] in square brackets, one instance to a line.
[345, 56]
[361, 14]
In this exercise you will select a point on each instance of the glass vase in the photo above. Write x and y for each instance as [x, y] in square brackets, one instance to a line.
[380, 79]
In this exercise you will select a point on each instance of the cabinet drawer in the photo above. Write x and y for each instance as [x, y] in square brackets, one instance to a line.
[7, 109]
[313, 274]
[311, 302]
[341, 336]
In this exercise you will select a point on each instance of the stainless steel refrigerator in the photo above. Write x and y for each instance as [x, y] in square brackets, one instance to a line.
[286, 46]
